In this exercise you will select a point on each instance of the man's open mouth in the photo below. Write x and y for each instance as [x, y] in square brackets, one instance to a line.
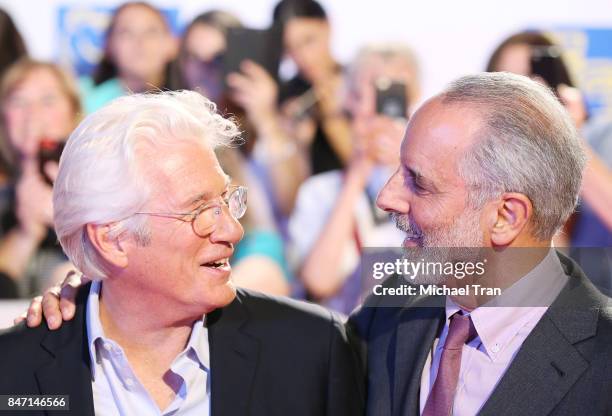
[217, 264]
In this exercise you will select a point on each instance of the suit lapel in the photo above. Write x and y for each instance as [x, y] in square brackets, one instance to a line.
[68, 369]
[417, 328]
[543, 371]
[548, 363]
[233, 360]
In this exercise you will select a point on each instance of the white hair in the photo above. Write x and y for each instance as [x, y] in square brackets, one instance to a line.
[99, 181]
[528, 144]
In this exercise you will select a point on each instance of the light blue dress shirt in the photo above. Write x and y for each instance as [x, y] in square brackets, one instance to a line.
[117, 390]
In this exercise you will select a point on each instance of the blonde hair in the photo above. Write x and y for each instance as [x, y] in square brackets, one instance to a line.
[21, 69]
[14, 76]
[389, 52]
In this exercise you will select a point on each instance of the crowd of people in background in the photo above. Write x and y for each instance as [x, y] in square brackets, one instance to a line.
[316, 148]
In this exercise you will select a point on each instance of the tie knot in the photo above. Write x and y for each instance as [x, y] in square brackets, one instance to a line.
[460, 331]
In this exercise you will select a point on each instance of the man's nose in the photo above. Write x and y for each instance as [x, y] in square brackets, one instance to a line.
[394, 195]
[228, 229]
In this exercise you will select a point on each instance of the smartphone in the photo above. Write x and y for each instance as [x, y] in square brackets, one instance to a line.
[391, 99]
[546, 63]
[49, 150]
[263, 47]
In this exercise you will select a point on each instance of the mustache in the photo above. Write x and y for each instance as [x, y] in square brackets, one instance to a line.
[406, 224]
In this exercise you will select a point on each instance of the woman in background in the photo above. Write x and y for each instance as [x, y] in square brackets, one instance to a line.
[335, 214]
[40, 107]
[318, 138]
[138, 48]
[199, 65]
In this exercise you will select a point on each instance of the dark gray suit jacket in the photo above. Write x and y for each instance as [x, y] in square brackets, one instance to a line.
[564, 367]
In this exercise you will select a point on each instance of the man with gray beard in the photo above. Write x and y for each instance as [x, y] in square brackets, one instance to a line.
[492, 163]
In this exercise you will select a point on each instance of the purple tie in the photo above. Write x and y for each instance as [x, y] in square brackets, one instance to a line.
[440, 399]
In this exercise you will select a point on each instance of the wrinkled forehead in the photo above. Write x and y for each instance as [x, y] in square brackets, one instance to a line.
[438, 135]
[182, 172]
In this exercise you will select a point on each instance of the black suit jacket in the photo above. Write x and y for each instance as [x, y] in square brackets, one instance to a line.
[564, 367]
[269, 356]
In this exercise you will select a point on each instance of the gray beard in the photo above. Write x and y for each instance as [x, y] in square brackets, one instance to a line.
[459, 241]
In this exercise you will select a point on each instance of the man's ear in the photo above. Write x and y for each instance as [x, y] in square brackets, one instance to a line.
[109, 245]
[513, 214]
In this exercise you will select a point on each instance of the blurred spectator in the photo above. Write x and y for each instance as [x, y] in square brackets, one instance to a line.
[259, 259]
[138, 48]
[200, 60]
[315, 132]
[591, 225]
[316, 89]
[39, 109]
[251, 98]
[335, 213]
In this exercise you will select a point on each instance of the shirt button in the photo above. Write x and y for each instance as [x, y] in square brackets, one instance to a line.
[107, 346]
[129, 382]
[495, 348]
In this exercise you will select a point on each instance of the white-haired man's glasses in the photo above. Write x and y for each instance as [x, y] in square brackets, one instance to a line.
[204, 218]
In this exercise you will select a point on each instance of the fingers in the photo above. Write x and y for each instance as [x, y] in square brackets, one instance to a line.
[254, 70]
[51, 169]
[250, 76]
[29, 167]
[239, 82]
[34, 315]
[20, 318]
[51, 309]
[70, 287]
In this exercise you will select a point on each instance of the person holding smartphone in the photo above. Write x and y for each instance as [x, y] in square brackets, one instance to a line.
[335, 215]
[40, 107]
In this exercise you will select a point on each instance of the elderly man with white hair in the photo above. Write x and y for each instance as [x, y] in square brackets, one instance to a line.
[143, 207]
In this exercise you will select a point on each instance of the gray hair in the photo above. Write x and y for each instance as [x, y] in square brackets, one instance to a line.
[99, 180]
[528, 144]
[387, 52]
